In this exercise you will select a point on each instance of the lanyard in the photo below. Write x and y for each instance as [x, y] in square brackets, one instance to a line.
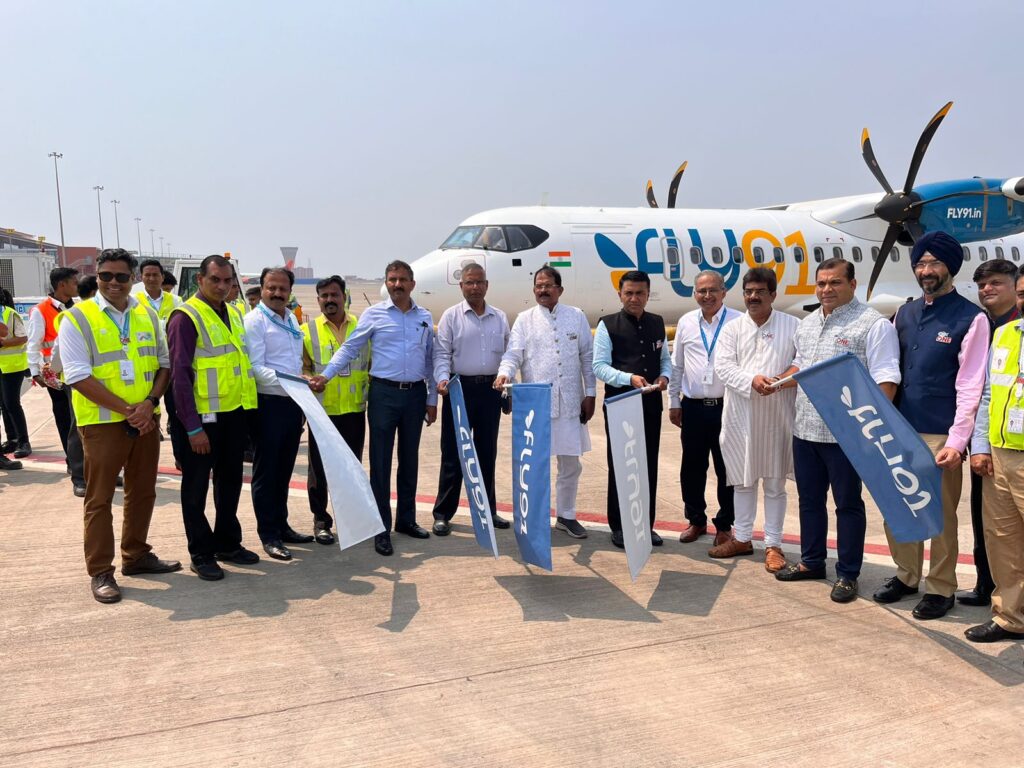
[125, 335]
[283, 326]
[714, 340]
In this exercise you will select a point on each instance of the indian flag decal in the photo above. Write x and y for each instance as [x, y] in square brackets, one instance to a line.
[560, 259]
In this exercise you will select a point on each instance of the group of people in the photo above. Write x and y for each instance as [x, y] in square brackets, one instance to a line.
[954, 371]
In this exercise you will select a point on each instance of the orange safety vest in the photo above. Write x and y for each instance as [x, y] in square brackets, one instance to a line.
[49, 313]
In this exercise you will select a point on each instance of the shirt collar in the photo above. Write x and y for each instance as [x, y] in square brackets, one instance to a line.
[104, 304]
[488, 309]
[389, 304]
[717, 317]
[287, 313]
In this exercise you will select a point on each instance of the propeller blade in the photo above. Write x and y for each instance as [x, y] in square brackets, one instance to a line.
[913, 226]
[922, 146]
[883, 253]
[650, 195]
[869, 157]
[674, 186]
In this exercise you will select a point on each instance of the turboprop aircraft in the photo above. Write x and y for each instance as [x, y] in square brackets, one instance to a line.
[593, 247]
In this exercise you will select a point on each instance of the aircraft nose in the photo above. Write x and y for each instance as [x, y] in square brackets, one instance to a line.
[383, 291]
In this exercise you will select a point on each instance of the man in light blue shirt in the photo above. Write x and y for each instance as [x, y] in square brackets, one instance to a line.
[402, 394]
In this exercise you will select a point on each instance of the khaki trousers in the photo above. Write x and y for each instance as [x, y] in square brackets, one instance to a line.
[108, 449]
[1003, 516]
[909, 558]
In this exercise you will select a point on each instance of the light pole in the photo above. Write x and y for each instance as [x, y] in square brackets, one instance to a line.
[138, 232]
[169, 245]
[117, 229]
[161, 246]
[99, 211]
[152, 247]
[60, 214]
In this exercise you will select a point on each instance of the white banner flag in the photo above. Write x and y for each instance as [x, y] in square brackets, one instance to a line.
[625, 414]
[347, 484]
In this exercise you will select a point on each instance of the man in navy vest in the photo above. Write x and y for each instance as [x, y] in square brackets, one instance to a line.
[943, 348]
[631, 351]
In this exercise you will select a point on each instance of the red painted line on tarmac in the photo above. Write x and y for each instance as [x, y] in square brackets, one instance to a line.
[589, 517]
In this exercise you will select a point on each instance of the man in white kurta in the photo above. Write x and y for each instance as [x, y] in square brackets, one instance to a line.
[757, 431]
[551, 344]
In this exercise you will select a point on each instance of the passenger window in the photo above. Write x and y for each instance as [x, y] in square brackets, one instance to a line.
[894, 254]
[967, 253]
[874, 253]
[758, 254]
[999, 252]
[1015, 253]
[798, 254]
[779, 255]
[819, 254]
[857, 255]
[837, 252]
[672, 255]
[737, 254]
[695, 255]
[982, 253]
[716, 256]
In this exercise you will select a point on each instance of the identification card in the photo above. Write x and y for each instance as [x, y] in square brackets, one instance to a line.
[209, 418]
[709, 376]
[999, 356]
[127, 370]
[1015, 421]
[1018, 390]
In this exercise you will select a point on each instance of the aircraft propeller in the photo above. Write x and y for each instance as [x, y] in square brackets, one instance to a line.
[673, 188]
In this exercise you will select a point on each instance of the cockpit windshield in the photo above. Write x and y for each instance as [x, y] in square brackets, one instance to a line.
[514, 237]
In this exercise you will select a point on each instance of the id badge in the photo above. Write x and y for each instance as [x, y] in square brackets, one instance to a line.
[209, 418]
[1018, 390]
[709, 376]
[999, 357]
[127, 371]
[1015, 421]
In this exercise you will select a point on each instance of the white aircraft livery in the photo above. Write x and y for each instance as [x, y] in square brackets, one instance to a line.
[593, 247]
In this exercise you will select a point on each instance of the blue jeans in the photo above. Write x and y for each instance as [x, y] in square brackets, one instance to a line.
[820, 466]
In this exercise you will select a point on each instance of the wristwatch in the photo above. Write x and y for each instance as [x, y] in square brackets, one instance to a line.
[155, 401]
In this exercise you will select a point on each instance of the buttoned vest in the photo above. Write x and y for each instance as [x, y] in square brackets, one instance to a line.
[636, 349]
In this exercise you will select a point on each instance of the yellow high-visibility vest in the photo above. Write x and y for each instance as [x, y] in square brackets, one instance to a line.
[15, 357]
[345, 393]
[224, 376]
[163, 308]
[106, 354]
[1004, 373]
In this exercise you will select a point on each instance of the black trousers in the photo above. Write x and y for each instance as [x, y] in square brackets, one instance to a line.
[277, 429]
[392, 411]
[352, 428]
[652, 435]
[702, 425]
[180, 446]
[74, 450]
[14, 414]
[227, 439]
[60, 405]
[483, 410]
[985, 585]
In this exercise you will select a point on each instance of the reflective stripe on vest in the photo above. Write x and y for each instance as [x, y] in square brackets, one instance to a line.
[345, 393]
[15, 357]
[167, 304]
[224, 379]
[103, 344]
[1003, 381]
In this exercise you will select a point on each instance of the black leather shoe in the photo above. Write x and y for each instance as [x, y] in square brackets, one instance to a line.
[23, 450]
[413, 530]
[892, 590]
[990, 632]
[206, 568]
[78, 490]
[382, 543]
[795, 573]
[844, 590]
[933, 607]
[973, 597]
[240, 556]
[277, 550]
[105, 589]
[617, 540]
[150, 563]
[441, 527]
[6, 463]
[656, 540]
[323, 534]
[500, 522]
[294, 537]
[8, 446]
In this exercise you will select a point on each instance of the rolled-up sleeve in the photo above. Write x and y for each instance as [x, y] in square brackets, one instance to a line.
[883, 352]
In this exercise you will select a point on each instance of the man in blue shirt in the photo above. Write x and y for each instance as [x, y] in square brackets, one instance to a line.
[402, 394]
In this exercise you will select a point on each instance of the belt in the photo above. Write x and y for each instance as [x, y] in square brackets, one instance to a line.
[485, 379]
[397, 384]
[710, 402]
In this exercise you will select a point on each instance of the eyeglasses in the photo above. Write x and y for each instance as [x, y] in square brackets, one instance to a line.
[121, 277]
[752, 292]
[707, 291]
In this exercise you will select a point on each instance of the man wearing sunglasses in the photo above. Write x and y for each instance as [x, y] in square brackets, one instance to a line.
[115, 358]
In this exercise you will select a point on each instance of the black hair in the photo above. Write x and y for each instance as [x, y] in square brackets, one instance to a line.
[59, 274]
[108, 255]
[762, 275]
[215, 258]
[395, 266]
[551, 272]
[169, 279]
[332, 280]
[635, 276]
[87, 286]
[6, 299]
[252, 291]
[994, 267]
[151, 263]
[836, 264]
[270, 270]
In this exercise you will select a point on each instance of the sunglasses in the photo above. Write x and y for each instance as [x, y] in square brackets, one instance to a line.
[121, 277]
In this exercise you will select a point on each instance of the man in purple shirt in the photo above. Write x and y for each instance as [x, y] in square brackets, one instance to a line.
[217, 436]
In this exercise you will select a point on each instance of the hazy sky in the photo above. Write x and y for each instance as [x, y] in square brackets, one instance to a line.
[362, 132]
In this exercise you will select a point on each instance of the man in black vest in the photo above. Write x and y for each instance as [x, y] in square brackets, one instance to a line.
[630, 352]
[943, 351]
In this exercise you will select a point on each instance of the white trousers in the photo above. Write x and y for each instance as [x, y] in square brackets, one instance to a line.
[745, 501]
[567, 481]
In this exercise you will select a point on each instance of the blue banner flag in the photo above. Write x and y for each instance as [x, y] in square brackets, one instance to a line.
[891, 458]
[479, 506]
[531, 472]
[628, 443]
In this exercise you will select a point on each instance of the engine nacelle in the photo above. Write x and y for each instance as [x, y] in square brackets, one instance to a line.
[1014, 188]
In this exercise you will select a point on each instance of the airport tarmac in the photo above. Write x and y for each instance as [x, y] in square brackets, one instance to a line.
[444, 656]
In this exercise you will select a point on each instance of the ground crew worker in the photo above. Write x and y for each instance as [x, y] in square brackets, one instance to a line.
[13, 372]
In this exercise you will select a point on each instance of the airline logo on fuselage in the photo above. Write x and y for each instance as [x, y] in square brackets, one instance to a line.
[963, 213]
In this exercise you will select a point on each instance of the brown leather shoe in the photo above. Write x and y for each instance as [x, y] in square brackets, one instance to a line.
[774, 560]
[692, 532]
[721, 537]
[105, 589]
[731, 548]
[150, 563]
